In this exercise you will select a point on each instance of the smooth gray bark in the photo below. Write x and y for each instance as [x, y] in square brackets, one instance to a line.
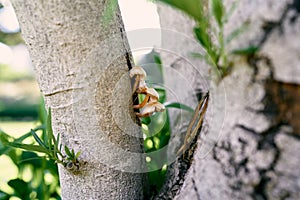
[81, 63]
[255, 153]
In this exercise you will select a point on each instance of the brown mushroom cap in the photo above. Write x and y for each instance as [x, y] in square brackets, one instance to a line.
[138, 71]
[151, 108]
[147, 110]
[159, 107]
[154, 96]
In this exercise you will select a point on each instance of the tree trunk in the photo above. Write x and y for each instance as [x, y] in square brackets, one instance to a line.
[186, 78]
[81, 59]
[252, 151]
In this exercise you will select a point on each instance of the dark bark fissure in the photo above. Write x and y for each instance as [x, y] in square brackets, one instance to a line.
[282, 108]
[270, 26]
[281, 100]
[265, 142]
[177, 171]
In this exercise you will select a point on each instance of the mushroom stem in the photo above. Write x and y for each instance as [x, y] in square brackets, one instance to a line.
[143, 102]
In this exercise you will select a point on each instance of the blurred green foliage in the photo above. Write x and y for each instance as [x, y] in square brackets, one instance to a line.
[157, 131]
[9, 75]
[10, 38]
[211, 17]
[17, 109]
[44, 181]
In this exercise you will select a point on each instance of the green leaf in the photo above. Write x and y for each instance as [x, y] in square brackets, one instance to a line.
[230, 11]
[246, 51]
[42, 113]
[56, 143]
[199, 55]
[68, 152]
[203, 37]
[31, 158]
[29, 147]
[39, 141]
[77, 154]
[49, 129]
[4, 196]
[193, 8]
[3, 139]
[179, 106]
[14, 157]
[237, 32]
[218, 11]
[146, 120]
[158, 61]
[21, 188]
[4, 149]
[60, 146]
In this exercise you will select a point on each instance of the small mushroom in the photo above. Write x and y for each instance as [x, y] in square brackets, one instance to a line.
[150, 104]
[151, 96]
[140, 77]
[150, 109]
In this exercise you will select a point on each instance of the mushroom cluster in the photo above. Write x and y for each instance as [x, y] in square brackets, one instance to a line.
[150, 104]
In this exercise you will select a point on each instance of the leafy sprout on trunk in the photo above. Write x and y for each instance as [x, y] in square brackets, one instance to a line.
[49, 145]
[211, 17]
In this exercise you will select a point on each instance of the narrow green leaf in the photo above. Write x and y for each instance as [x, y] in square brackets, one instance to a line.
[68, 152]
[77, 155]
[49, 129]
[237, 32]
[42, 111]
[202, 37]
[4, 137]
[57, 143]
[29, 147]
[23, 137]
[230, 11]
[218, 11]
[193, 8]
[246, 51]
[158, 61]
[73, 153]
[20, 187]
[179, 106]
[160, 89]
[60, 147]
[3, 195]
[198, 55]
[36, 137]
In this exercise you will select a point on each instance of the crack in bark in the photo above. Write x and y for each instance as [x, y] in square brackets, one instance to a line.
[195, 186]
[177, 172]
[237, 166]
[62, 91]
[173, 64]
[270, 26]
[265, 142]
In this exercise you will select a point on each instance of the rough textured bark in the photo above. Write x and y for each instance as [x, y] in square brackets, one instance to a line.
[186, 78]
[81, 62]
[255, 156]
